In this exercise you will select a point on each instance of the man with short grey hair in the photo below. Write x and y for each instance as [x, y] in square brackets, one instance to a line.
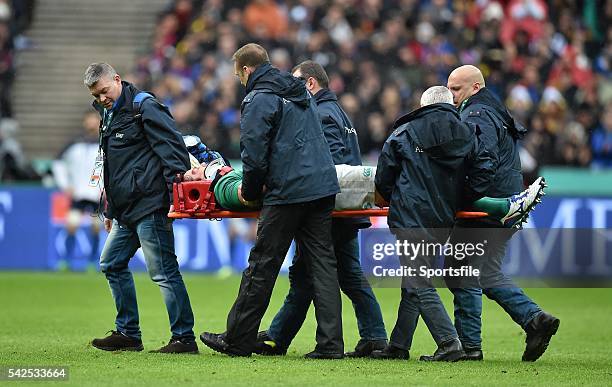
[436, 94]
[140, 153]
[429, 166]
[97, 71]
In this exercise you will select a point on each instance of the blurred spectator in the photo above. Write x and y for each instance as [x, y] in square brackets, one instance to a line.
[22, 15]
[265, 19]
[280, 58]
[72, 172]
[7, 72]
[524, 16]
[572, 146]
[554, 110]
[13, 164]
[548, 59]
[539, 142]
[520, 102]
[15, 17]
[601, 140]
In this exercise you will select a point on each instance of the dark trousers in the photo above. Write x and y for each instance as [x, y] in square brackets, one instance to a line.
[290, 318]
[492, 282]
[310, 225]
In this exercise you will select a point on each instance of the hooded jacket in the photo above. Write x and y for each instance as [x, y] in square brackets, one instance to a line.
[499, 133]
[140, 158]
[338, 129]
[343, 144]
[282, 145]
[426, 165]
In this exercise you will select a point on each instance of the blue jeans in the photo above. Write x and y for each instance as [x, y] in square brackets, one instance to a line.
[426, 303]
[291, 316]
[493, 283]
[154, 233]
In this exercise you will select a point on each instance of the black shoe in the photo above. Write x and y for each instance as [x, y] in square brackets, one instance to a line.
[390, 352]
[539, 332]
[216, 342]
[267, 347]
[474, 354]
[365, 347]
[117, 341]
[448, 351]
[323, 355]
[178, 346]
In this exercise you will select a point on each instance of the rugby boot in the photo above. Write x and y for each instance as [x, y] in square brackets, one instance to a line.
[521, 204]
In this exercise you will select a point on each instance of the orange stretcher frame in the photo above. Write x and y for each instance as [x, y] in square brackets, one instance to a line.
[336, 214]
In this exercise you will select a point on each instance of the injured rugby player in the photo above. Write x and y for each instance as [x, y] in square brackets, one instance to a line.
[357, 190]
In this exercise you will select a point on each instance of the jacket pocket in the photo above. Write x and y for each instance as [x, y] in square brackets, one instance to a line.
[280, 163]
[138, 182]
[146, 183]
[124, 190]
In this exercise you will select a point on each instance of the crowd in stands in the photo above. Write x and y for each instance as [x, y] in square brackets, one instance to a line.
[549, 61]
[15, 18]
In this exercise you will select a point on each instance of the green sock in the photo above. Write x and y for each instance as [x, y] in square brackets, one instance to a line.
[495, 207]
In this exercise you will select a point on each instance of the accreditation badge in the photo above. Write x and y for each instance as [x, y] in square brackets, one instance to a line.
[96, 174]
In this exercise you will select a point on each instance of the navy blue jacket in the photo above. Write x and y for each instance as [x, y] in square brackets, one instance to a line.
[425, 165]
[338, 129]
[140, 158]
[343, 144]
[499, 133]
[281, 141]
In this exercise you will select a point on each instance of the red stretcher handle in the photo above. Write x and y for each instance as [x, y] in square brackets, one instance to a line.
[335, 214]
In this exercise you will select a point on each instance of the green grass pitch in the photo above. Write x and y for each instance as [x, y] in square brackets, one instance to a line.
[49, 319]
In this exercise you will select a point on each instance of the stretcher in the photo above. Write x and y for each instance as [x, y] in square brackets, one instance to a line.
[195, 200]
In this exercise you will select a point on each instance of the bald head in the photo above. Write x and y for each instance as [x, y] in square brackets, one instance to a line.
[464, 82]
